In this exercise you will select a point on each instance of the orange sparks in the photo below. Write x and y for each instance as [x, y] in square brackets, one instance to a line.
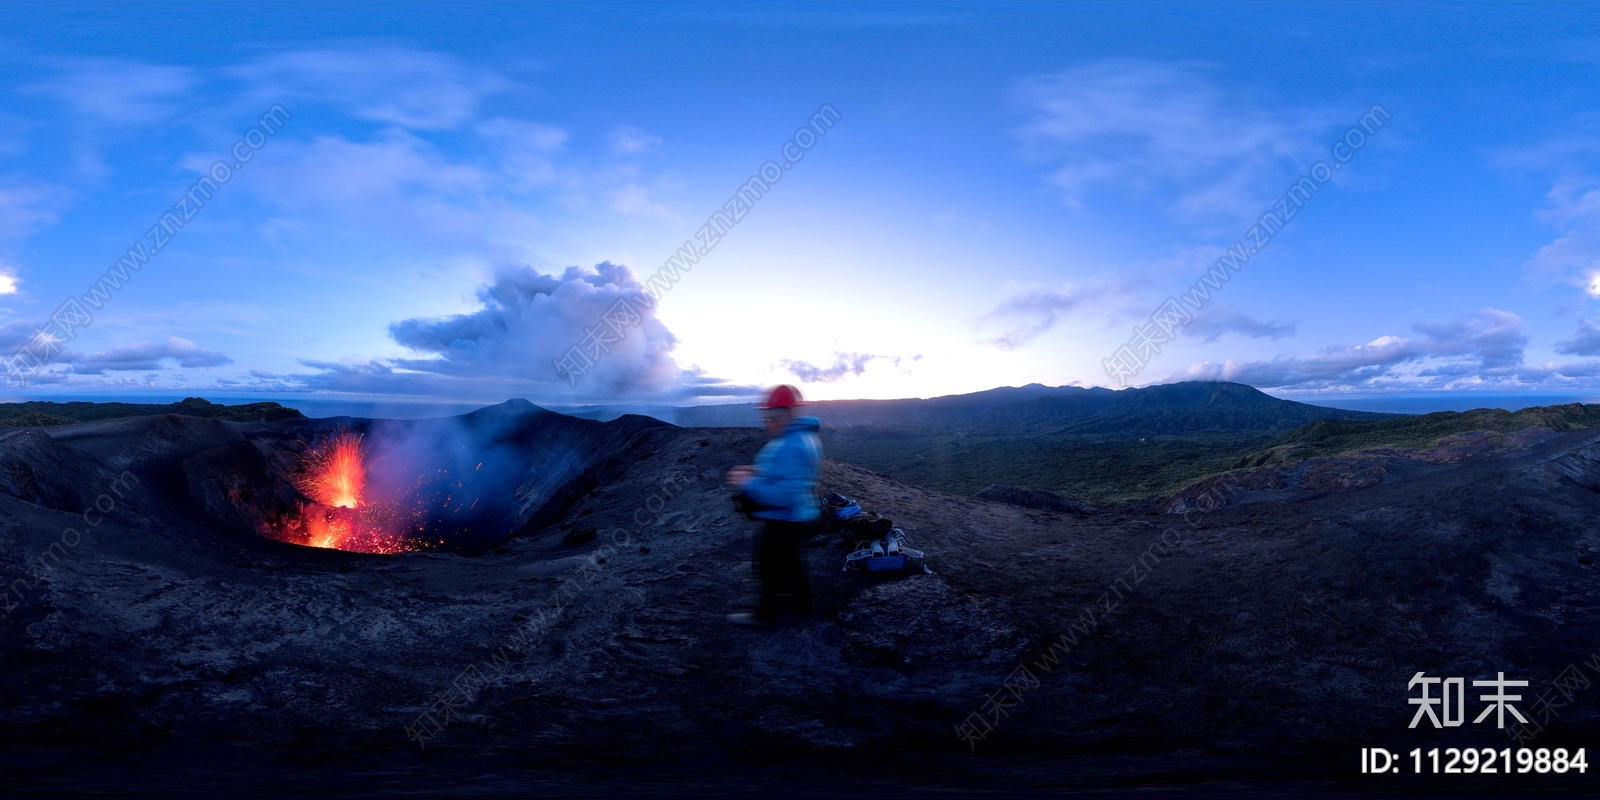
[339, 510]
[334, 476]
[335, 473]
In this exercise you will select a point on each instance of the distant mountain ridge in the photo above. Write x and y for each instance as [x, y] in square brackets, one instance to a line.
[1094, 445]
[854, 412]
[1176, 408]
[1034, 409]
[38, 413]
[1171, 409]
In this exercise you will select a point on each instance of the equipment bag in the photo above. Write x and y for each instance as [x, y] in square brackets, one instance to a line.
[889, 554]
[839, 509]
[868, 526]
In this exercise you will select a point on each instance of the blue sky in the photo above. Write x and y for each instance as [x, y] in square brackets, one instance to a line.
[460, 191]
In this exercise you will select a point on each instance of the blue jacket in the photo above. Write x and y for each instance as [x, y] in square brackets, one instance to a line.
[787, 472]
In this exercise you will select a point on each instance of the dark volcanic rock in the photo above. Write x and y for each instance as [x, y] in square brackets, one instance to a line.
[1269, 638]
[34, 469]
[1032, 498]
[921, 622]
[246, 485]
[580, 536]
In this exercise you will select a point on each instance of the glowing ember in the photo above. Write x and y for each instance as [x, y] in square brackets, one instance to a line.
[335, 473]
[334, 476]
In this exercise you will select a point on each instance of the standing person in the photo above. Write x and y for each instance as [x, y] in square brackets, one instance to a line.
[780, 491]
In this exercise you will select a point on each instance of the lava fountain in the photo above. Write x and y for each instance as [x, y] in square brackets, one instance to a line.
[333, 475]
[336, 473]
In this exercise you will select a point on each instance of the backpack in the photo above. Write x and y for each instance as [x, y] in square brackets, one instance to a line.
[869, 525]
[888, 554]
[839, 509]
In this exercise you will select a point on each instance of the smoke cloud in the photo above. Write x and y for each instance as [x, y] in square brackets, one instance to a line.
[510, 346]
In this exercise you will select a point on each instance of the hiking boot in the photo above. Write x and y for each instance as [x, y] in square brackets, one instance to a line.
[749, 619]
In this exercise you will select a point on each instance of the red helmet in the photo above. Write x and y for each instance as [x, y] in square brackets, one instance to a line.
[785, 396]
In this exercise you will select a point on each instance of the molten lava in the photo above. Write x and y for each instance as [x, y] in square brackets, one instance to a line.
[333, 475]
[336, 473]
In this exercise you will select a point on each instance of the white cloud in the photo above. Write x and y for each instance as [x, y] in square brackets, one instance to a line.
[397, 188]
[1588, 368]
[635, 200]
[1574, 256]
[111, 96]
[15, 334]
[630, 141]
[1486, 346]
[462, 201]
[333, 171]
[396, 86]
[1572, 205]
[844, 364]
[25, 207]
[1154, 127]
[1220, 319]
[113, 93]
[143, 356]
[1585, 341]
[401, 187]
[1342, 364]
[509, 347]
[1031, 310]
[1493, 337]
[526, 150]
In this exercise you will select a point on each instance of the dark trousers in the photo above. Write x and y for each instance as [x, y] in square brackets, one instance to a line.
[784, 584]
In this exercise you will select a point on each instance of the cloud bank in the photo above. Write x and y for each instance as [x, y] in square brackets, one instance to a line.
[1584, 342]
[143, 356]
[1487, 348]
[844, 365]
[1031, 311]
[408, 88]
[1219, 319]
[1146, 126]
[509, 346]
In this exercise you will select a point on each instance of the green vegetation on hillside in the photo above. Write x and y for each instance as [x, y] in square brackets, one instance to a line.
[1116, 466]
[1095, 445]
[1332, 437]
[39, 413]
[1094, 469]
